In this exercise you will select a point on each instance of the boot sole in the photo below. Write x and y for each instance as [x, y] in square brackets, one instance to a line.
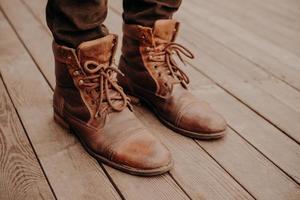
[127, 169]
[191, 134]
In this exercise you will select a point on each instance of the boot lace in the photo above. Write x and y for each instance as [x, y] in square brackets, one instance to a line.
[163, 54]
[101, 85]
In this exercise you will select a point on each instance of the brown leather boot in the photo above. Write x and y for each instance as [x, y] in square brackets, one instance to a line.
[88, 100]
[152, 75]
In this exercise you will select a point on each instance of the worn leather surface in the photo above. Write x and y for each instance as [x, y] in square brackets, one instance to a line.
[163, 84]
[115, 133]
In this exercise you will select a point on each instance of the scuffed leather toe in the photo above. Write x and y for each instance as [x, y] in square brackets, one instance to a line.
[201, 118]
[142, 151]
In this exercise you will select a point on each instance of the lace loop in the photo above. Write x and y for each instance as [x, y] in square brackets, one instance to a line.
[165, 56]
[101, 83]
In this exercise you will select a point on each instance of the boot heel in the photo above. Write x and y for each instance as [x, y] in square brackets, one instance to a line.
[59, 120]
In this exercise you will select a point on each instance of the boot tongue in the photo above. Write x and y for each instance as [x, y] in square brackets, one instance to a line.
[165, 29]
[100, 50]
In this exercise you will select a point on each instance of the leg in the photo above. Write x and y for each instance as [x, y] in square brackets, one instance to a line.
[75, 21]
[146, 12]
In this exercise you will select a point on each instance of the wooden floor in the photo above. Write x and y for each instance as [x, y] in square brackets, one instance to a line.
[247, 66]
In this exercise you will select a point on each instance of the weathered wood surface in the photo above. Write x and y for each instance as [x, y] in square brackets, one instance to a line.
[21, 176]
[247, 66]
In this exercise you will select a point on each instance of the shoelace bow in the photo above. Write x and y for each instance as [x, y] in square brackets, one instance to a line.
[99, 83]
[163, 53]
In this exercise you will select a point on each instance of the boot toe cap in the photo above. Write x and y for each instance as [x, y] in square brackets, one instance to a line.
[142, 151]
[202, 120]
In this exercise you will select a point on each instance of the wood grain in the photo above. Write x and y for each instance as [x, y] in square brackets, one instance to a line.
[266, 138]
[275, 60]
[21, 176]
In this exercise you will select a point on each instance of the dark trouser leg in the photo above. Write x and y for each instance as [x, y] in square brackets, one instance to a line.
[146, 12]
[75, 21]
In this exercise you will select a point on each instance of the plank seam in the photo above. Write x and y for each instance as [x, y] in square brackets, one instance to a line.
[179, 185]
[264, 155]
[241, 101]
[111, 181]
[257, 65]
[226, 170]
[35, 16]
[26, 134]
[24, 45]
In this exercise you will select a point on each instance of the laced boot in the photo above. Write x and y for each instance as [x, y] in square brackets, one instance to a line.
[89, 101]
[153, 75]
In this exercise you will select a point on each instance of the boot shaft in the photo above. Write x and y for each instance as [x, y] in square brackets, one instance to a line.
[78, 72]
[149, 50]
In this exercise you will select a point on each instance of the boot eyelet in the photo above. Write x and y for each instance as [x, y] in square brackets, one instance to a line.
[80, 82]
[76, 73]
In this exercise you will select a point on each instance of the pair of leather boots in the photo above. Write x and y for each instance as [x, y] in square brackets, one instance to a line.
[90, 97]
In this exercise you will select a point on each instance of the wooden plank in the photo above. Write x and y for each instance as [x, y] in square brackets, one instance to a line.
[277, 52]
[38, 10]
[257, 174]
[60, 154]
[247, 47]
[258, 20]
[20, 173]
[35, 38]
[153, 186]
[286, 8]
[265, 137]
[261, 102]
[255, 19]
[281, 91]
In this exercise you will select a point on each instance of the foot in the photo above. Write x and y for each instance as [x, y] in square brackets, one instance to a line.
[88, 100]
[152, 75]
